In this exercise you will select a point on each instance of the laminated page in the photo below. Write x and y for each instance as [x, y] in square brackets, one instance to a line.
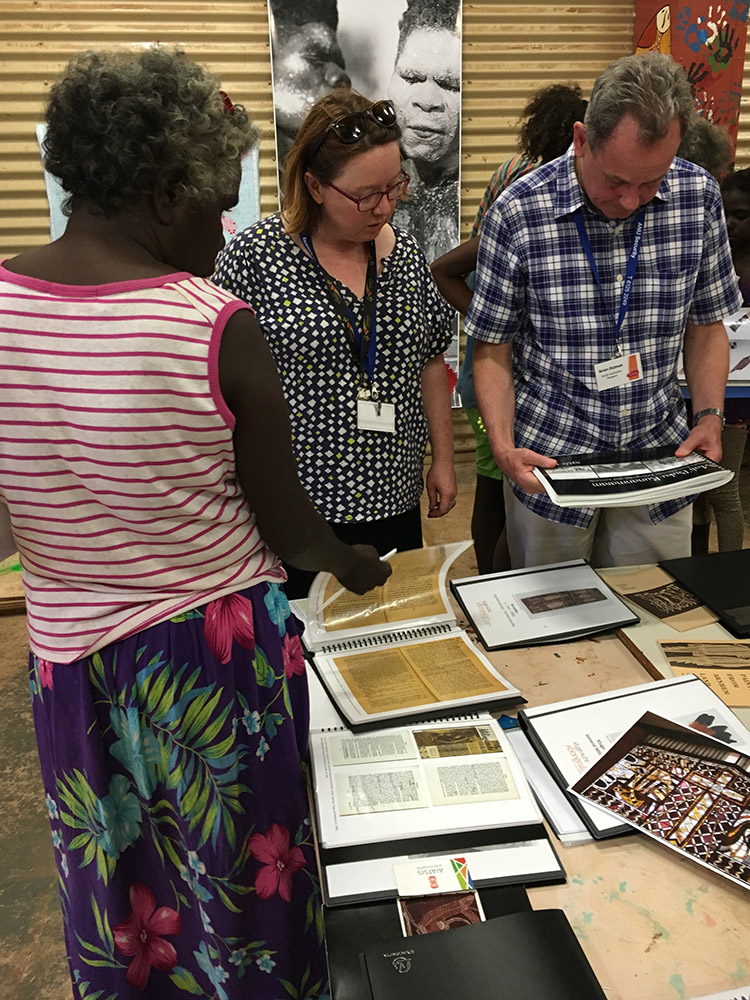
[414, 595]
[683, 788]
[412, 678]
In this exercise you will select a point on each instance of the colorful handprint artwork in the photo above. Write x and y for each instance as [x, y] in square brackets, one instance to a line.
[708, 39]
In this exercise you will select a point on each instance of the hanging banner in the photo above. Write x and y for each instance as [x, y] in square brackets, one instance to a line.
[708, 40]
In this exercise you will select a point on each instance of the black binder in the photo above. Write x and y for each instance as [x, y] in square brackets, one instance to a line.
[720, 580]
[351, 929]
[521, 955]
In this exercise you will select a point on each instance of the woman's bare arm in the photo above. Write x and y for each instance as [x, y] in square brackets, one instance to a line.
[287, 520]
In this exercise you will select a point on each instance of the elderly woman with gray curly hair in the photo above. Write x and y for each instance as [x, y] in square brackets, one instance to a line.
[147, 477]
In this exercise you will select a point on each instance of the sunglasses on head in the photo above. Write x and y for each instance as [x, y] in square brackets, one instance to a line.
[351, 128]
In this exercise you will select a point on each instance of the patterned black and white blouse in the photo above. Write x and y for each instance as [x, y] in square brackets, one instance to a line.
[350, 474]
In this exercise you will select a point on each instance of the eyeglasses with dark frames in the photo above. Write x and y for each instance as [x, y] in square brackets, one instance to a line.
[350, 128]
[369, 201]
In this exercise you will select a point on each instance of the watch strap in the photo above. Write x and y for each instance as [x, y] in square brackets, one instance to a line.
[709, 411]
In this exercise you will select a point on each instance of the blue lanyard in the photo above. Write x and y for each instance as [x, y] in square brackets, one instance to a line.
[364, 341]
[629, 272]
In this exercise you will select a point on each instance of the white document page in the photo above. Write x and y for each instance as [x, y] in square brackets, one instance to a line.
[465, 804]
[576, 733]
[563, 818]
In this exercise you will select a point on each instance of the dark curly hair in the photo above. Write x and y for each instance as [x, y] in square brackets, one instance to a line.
[434, 15]
[548, 118]
[738, 180]
[708, 145]
[119, 122]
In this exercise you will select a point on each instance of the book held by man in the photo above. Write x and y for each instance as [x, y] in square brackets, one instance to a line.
[629, 479]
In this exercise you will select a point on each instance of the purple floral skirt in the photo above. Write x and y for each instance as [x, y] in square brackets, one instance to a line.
[172, 763]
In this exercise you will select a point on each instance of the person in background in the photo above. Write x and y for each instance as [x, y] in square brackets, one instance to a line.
[710, 147]
[307, 62]
[356, 326]
[546, 132]
[147, 477]
[735, 194]
[594, 271]
[426, 91]
[725, 503]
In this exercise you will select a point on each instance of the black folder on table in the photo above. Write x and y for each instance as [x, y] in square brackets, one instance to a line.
[522, 955]
[351, 929]
[721, 580]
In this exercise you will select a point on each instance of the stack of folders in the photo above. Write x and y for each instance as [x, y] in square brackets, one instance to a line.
[570, 737]
[530, 954]
[565, 821]
[437, 789]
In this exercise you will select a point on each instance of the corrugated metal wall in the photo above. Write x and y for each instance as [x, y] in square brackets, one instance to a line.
[37, 39]
[509, 51]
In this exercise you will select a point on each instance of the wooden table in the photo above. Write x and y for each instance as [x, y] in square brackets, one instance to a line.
[654, 925]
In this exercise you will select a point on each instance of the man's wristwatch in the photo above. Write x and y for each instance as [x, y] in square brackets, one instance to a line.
[712, 411]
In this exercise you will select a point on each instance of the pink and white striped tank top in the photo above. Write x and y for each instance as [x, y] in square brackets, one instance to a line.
[116, 457]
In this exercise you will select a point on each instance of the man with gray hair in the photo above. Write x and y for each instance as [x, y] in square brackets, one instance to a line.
[593, 272]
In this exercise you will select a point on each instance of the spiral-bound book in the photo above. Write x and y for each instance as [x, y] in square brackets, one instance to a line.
[426, 791]
[397, 654]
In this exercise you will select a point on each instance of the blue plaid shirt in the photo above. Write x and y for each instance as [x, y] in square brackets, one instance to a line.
[535, 286]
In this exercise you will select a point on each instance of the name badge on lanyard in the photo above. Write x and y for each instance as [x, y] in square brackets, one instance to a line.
[621, 369]
[373, 414]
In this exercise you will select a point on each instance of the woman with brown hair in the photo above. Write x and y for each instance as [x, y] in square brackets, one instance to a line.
[356, 326]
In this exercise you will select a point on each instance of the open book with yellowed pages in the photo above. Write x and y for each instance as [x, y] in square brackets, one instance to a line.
[397, 654]
[415, 595]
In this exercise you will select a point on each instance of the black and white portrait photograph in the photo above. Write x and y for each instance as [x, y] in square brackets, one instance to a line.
[406, 51]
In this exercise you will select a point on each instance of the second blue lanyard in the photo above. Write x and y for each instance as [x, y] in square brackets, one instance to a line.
[629, 273]
[363, 342]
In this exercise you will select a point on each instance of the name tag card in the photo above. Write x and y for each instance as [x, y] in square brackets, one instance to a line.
[374, 416]
[618, 371]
